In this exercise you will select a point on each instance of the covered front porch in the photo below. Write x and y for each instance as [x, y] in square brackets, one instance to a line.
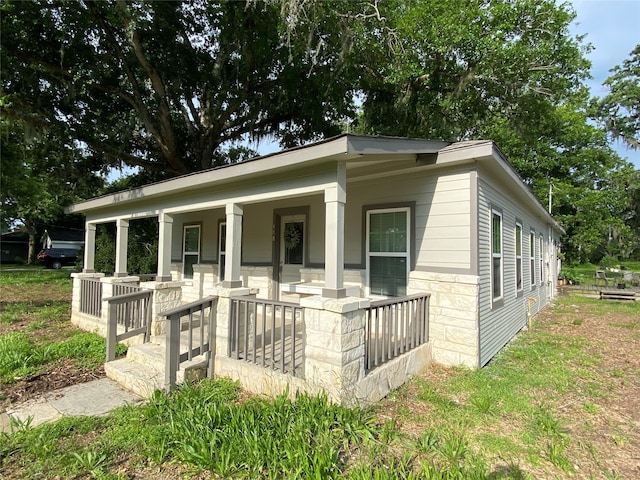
[252, 283]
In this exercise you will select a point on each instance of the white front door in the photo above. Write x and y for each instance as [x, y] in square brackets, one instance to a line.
[292, 247]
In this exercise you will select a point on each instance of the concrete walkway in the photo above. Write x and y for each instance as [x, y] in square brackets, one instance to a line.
[93, 398]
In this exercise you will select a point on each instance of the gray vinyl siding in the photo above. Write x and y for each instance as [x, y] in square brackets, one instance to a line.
[442, 216]
[501, 321]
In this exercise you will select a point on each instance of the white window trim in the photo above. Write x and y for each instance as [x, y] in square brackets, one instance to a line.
[541, 260]
[370, 254]
[532, 258]
[184, 244]
[515, 234]
[497, 255]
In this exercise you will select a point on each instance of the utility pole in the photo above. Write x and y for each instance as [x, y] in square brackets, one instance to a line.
[550, 195]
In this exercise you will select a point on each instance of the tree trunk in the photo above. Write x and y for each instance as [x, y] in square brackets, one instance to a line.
[31, 256]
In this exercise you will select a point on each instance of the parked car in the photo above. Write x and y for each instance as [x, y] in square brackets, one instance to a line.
[57, 257]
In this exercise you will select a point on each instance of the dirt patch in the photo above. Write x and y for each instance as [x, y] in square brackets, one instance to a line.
[599, 410]
[61, 374]
[610, 440]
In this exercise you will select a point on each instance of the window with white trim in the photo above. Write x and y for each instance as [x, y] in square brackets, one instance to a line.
[518, 240]
[388, 251]
[532, 257]
[222, 249]
[541, 259]
[496, 255]
[190, 249]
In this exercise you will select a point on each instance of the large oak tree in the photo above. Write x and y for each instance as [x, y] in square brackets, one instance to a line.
[170, 86]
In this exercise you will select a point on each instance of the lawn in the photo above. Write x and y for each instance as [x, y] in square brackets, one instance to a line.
[558, 402]
[40, 349]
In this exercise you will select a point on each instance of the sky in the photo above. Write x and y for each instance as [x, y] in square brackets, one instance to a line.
[613, 28]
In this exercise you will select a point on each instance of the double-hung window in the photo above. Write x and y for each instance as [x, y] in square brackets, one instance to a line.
[190, 250]
[518, 240]
[388, 250]
[532, 257]
[496, 255]
[541, 259]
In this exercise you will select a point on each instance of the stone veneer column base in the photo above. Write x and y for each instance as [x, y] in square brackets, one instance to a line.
[166, 295]
[453, 315]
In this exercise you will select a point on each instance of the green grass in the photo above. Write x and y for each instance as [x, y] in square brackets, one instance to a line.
[496, 422]
[206, 428]
[585, 273]
[35, 310]
[21, 357]
[35, 276]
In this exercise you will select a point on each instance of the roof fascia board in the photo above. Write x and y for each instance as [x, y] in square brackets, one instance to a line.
[258, 166]
[366, 145]
[304, 186]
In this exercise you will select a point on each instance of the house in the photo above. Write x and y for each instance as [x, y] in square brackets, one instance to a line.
[61, 237]
[363, 258]
[14, 247]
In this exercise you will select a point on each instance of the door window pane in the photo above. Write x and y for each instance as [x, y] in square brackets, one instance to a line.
[294, 243]
[192, 239]
[190, 250]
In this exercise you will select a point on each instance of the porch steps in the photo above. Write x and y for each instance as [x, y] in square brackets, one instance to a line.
[142, 370]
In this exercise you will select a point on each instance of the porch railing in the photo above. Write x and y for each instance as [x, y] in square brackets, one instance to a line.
[132, 312]
[91, 296]
[200, 316]
[395, 326]
[267, 333]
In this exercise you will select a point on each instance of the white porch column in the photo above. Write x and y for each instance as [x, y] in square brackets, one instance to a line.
[233, 246]
[335, 198]
[165, 228]
[122, 238]
[89, 247]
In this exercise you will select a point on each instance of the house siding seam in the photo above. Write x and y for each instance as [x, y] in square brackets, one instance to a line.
[498, 324]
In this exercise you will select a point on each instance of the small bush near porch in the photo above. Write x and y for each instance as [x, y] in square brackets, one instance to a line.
[556, 404]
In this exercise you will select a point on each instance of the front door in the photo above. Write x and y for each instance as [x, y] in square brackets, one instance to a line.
[292, 247]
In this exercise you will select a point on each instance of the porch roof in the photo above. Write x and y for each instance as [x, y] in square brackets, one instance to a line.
[344, 148]
[354, 150]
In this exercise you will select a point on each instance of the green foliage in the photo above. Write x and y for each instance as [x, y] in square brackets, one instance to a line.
[173, 87]
[41, 174]
[142, 248]
[619, 111]
[572, 276]
[20, 357]
[87, 349]
[610, 261]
